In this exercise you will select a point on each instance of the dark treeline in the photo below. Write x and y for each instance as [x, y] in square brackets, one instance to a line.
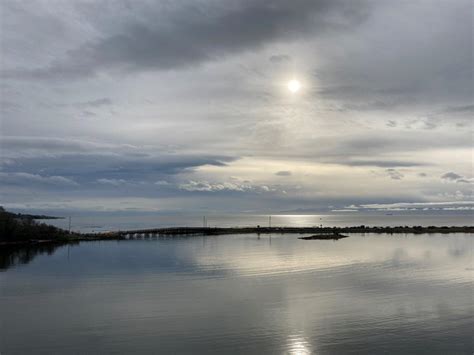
[36, 216]
[21, 228]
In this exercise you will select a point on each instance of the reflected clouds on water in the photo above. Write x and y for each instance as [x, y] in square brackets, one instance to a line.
[244, 293]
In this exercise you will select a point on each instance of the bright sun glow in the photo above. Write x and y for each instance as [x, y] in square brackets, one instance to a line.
[294, 86]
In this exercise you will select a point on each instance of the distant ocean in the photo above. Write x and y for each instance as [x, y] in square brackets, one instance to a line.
[103, 222]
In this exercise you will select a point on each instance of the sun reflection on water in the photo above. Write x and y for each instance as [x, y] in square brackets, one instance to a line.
[297, 345]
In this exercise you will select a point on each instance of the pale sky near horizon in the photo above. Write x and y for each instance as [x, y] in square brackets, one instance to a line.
[184, 105]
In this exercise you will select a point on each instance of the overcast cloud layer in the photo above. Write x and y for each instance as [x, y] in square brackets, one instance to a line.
[183, 106]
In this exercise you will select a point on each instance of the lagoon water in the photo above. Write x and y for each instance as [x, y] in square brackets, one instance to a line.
[268, 294]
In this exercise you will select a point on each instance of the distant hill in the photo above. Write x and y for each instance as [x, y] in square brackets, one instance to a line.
[31, 216]
[23, 227]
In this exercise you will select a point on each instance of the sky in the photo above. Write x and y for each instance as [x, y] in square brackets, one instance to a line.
[184, 106]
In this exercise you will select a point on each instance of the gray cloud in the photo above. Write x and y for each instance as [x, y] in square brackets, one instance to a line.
[105, 101]
[394, 174]
[89, 166]
[377, 163]
[204, 186]
[393, 143]
[240, 187]
[7, 106]
[401, 60]
[188, 37]
[283, 173]
[451, 176]
[280, 58]
[88, 114]
[460, 109]
[456, 178]
[461, 205]
[423, 123]
[21, 178]
[114, 182]
[91, 161]
[31, 145]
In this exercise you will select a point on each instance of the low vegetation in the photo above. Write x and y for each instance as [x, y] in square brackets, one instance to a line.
[21, 228]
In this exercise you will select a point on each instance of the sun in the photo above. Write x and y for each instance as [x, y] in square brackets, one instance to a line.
[294, 86]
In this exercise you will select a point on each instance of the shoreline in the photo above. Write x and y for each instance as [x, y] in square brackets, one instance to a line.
[208, 231]
[290, 230]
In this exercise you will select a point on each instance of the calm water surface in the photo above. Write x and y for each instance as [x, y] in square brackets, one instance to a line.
[241, 294]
